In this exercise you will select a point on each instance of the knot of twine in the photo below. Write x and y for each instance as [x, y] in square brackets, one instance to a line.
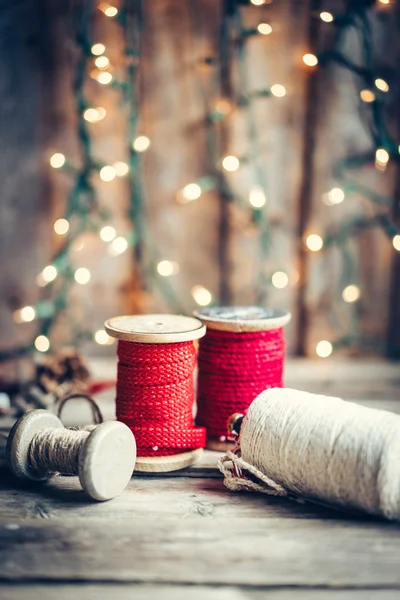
[155, 396]
[293, 442]
[57, 450]
[233, 369]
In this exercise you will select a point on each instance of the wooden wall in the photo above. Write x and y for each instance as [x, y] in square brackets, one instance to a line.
[299, 138]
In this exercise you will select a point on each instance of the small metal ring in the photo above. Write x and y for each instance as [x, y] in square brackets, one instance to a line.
[96, 412]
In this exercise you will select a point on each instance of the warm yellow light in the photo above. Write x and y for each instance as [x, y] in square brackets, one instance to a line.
[191, 191]
[324, 349]
[327, 17]
[93, 115]
[279, 280]
[121, 168]
[57, 160]
[166, 268]
[201, 295]
[61, 226]
[107, 173]
[102, 338]
[49, 273]
[107, 233]
[351, 293]
[108, 9]
[310, 60]
[264, 29]
[223, 106]
[396, 242]
[102, 62]
[104, 77]
[384, 1]
[230, 163]
[42, 343]
[382, 156]
[314, 242]
[98, 49]
[141, 143]
[257, 197]
[82, 275]
[118, 246]
[335, 196]
[25, 314]
[382, 85]
[367, 96]
[257, 2]
[278, 90]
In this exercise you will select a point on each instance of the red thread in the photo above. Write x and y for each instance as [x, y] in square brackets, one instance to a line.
[233, 369]
[155, 396]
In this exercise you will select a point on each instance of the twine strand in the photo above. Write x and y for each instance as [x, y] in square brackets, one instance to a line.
[57, 450]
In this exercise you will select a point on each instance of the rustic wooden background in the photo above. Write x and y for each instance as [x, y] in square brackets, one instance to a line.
[300, 137]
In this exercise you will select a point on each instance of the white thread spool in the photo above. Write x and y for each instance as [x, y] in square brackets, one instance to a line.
[104, 458]
[293, 442]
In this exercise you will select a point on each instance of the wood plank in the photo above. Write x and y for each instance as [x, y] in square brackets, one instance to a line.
[251, 552]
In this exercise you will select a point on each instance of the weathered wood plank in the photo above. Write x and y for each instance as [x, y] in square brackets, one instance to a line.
[254, 552]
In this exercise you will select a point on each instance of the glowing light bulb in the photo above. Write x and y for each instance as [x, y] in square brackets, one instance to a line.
[93, 115]
[334, 196]
[82, 275]
[314, 242]
[231, 163]
[57, 160]
[382, 157]
[326, 16]
[102, 337]
[166, 268]
[42, 343]
[191, 191]
[107, 173]
[278, 90]
[98, 49]
[324, 349]
[351, 293]
[257, 2]
[257, 197]
[61, 226]
[264, 29]
[121, 168]
[104, 77]
[107, 233]
[25, 314]
[141, 143]
[102, 62]
[48, 274]
[201, 295]
[382, 85]
[310, 60]
[108, 9]
[367, 96]
[396, 242]
[279, 280]
[384, 1]
[118, 246]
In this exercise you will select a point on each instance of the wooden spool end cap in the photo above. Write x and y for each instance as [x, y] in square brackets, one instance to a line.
[155, 329]
[166, 464]
[20, 438]
[240, 319]
[107, 460]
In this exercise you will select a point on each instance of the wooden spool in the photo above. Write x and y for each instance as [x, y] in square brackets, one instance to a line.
[158, 329]
[239, 319]
[106, 457]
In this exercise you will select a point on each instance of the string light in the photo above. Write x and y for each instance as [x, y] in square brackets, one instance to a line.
[279, 280]
[396, 242]
[334, 196]
[351, 293]
[367, 96]
[257, 197]
[108, 9]
[278, 90]
[166, 268]
[121, 168]
[314, 242]
[141, 143]
[57, 160]
[107, 173]
[98, 49]
[231, 163]
[381, 158]
[384, 1]
[326, 16]
[82, 275]
[103, 77]
[264, 29]
[324, 349]
[382, 85]
[310, 60]
[191, 191]
[42, 343]
[93, 115]
[257, 2]
[61, 226]
[25, 314]
[102, 62]
[107, 233]
[201, 295]
[102, 338]
[118, 246]
[48, 275]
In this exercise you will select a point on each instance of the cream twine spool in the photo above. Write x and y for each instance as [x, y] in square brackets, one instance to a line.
[296, 443]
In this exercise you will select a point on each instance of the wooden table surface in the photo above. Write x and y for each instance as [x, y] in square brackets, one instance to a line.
[185, 536]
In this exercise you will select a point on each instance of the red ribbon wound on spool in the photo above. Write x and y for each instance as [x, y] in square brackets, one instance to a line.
[155, 396]
[233, 369]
